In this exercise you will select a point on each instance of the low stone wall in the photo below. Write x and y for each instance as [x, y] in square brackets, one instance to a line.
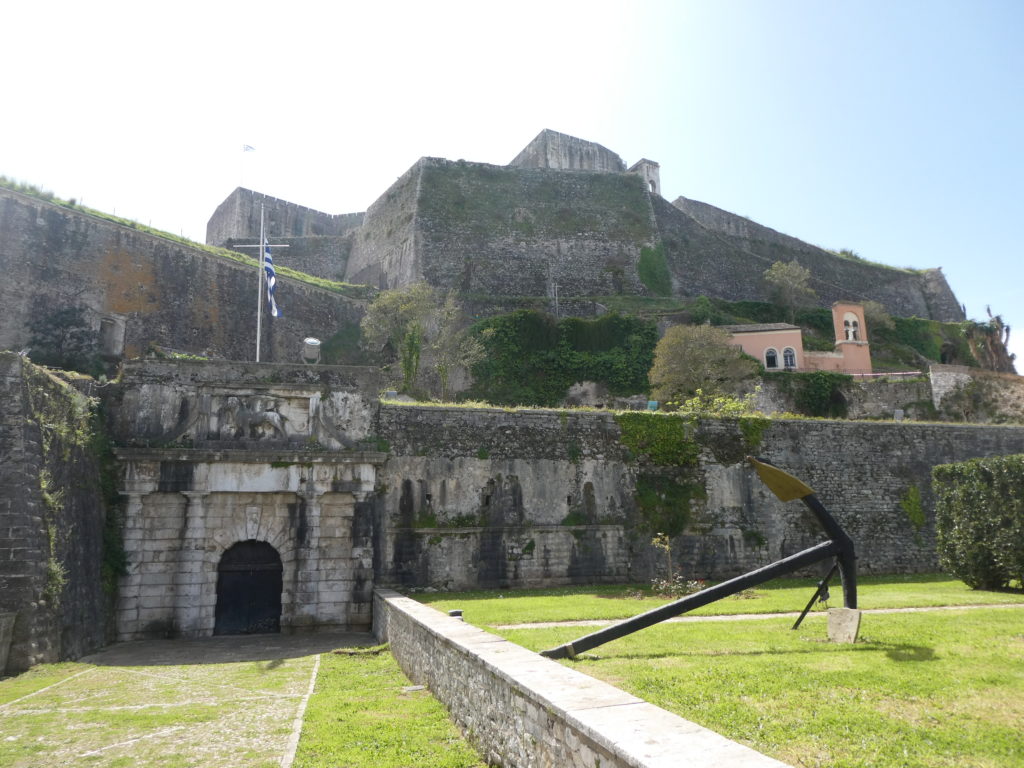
[520, 709]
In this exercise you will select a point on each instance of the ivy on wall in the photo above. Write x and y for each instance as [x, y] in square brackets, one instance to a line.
[533, 359]
[979, 520]
[818, 393]
[652, 269]
[664, 439]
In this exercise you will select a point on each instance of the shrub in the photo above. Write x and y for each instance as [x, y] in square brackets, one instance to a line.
[979, 520]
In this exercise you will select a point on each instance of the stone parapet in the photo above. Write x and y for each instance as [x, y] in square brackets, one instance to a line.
[520, 709]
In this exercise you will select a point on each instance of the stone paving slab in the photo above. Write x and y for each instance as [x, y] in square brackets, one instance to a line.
[230, 702]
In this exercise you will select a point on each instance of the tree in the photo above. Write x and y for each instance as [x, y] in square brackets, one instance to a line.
[877, 317]
[453, 346]
[698, 357]
[789, 285]
[397, 319]
[419, 322]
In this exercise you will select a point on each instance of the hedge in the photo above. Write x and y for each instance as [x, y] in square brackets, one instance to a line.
[979, 520]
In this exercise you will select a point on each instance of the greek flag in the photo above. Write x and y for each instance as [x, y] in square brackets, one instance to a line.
[268, 265]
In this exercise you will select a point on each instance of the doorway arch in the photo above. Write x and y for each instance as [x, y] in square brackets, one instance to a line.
[249, 580]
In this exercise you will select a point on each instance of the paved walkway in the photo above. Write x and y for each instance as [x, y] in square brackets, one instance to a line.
[229, 702]
[225, 649]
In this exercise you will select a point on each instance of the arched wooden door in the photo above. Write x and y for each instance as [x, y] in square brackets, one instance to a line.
[248, 590]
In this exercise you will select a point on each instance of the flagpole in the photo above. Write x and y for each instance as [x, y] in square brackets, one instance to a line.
[259, 290]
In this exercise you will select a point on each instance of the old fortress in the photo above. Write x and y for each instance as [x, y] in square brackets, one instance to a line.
[202, 476]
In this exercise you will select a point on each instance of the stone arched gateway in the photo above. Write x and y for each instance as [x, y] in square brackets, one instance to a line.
[248, 590]
[234, 474]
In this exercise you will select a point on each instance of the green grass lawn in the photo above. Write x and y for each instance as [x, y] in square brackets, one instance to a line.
[935, 689]
[494, 608]
[364, 715]
[230, 715]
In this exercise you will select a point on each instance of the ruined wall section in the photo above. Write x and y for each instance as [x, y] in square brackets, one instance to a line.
[496, 231]
[715, 253]
[51, 519]
[488, 498]
[560, 151]
[238, 218]
[151, 289]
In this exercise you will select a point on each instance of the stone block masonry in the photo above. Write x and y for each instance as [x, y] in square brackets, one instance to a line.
[146, 289]
[486, 498]
[520, 709]
[51, 519]
[219, 456]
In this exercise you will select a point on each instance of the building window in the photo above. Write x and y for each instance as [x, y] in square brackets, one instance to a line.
[771, 358]
[789, 357]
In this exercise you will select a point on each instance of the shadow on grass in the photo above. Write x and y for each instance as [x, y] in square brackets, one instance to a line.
[895, 651]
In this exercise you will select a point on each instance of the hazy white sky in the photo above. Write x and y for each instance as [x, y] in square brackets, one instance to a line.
[890, 128]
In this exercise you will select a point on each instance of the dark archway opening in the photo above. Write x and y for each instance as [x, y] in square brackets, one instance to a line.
[248, 590]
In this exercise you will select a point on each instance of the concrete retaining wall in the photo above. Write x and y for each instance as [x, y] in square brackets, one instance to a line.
[520, 709]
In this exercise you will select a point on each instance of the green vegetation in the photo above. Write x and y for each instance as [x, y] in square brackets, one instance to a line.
[912, 505]
[652, 269]
[928, 689]
[663, 503]
[363, 714]
[481, 201]
[665, 439]
[818, 393]
[418, 318]
[932, 689]
[619, 601]
[692, 358]
[232, 715]
[532, 359]
[344, 346]
[979, 520]
[790, 286]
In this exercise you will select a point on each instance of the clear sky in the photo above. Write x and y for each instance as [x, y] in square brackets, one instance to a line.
[889, 127]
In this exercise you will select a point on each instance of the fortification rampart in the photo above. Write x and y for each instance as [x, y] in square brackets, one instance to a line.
[385, 253]
[488, 230]
[51, 519]
[238, 218]
[140, 289]
[325, 257]
[476, 498]
[715, 253]
[550, 149]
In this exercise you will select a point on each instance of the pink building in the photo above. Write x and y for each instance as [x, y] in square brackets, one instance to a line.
[780, 347]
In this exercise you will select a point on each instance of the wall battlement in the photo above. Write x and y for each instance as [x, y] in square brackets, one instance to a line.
[238, 217]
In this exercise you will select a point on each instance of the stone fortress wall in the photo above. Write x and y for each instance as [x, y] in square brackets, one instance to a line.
[350, 494]
[240, 213]
[566, 217]
[550, 149]
[52, 604]
[489, 498]
[140, 289]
